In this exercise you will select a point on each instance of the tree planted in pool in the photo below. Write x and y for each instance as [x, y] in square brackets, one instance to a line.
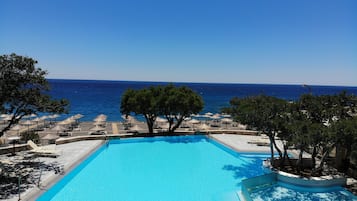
[24, 90]
[174, 103]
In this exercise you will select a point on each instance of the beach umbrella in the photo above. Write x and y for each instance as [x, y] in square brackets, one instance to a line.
[78, 116]
[30, 116]
[226, 115]
[7, 118]
[50, 137]
[226, 121]
[129, 118]
[17, 128]
[208, 114]
[54, 116]
[28, 123]
[43, 118]
[100, 117]
[194, 121]
[204, 127]
[66, 121]
[97, 128]
[136, 128]
[13, 140]
[215, 117]
[161, 120]
[99, 123]
[36, 120]
[58, 128]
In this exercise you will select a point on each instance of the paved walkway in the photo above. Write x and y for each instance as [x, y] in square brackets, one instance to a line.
[115, 128]
[71, 155]
[245, 143]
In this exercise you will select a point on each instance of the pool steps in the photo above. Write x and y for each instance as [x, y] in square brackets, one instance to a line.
[254, 183]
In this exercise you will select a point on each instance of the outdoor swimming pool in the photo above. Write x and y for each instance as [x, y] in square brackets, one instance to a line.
[189, 168]
[193, 168]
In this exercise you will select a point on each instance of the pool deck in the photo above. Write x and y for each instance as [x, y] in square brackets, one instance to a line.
[73, 153]
[245, 143]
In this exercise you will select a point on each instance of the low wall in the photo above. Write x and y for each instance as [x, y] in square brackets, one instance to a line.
[10, 149]
[325, 181]
[306, 162]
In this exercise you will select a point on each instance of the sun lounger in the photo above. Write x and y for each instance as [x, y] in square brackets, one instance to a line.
[259, 142]
[41, 151]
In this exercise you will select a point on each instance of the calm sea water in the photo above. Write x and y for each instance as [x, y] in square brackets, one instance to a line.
[90, 98]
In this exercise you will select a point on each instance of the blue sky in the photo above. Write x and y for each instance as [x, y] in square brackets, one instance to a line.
[230, 41]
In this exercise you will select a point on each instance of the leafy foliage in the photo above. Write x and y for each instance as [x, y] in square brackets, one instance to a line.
[24, 89]
[314, 124]
[264, 113]
[175, 103]
[178, 103]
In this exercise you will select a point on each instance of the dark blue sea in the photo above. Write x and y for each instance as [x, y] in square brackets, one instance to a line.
[91, 98]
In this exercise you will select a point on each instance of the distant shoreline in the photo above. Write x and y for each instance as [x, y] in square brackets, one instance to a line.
[207, 83]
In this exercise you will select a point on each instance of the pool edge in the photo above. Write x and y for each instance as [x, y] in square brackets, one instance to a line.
[37, 192]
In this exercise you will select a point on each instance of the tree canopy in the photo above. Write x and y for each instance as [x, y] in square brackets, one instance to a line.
[314, 124]
[174, 103]
[263, 113]
[24, 90]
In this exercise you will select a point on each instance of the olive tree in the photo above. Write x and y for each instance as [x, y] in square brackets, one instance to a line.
[178, 103]
[264, 113]
[144, 102]
[175, 103]
[24, 90]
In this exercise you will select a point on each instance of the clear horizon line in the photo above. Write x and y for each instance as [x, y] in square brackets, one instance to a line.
[201, 82]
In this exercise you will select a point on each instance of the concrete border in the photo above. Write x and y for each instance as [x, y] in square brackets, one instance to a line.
[36, 192]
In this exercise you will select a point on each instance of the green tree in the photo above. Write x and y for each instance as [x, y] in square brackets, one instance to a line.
[24, 90]
[264, 113]
[178, 103]
[345, 136]
[175, 103]
[144, 102]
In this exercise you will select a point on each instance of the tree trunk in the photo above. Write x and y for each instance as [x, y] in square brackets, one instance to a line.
[340, 152]
[299, 161]
[323, 159]
[150, 123]
[271, 150]
[343, 159]
[313, 157]
[179, 121]
[285, 156]
[277, 148]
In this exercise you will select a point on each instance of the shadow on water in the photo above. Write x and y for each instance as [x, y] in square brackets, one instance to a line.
[250, 168]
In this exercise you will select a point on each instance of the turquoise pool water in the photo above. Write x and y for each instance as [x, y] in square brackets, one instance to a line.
[285, 192]
[192, 168]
